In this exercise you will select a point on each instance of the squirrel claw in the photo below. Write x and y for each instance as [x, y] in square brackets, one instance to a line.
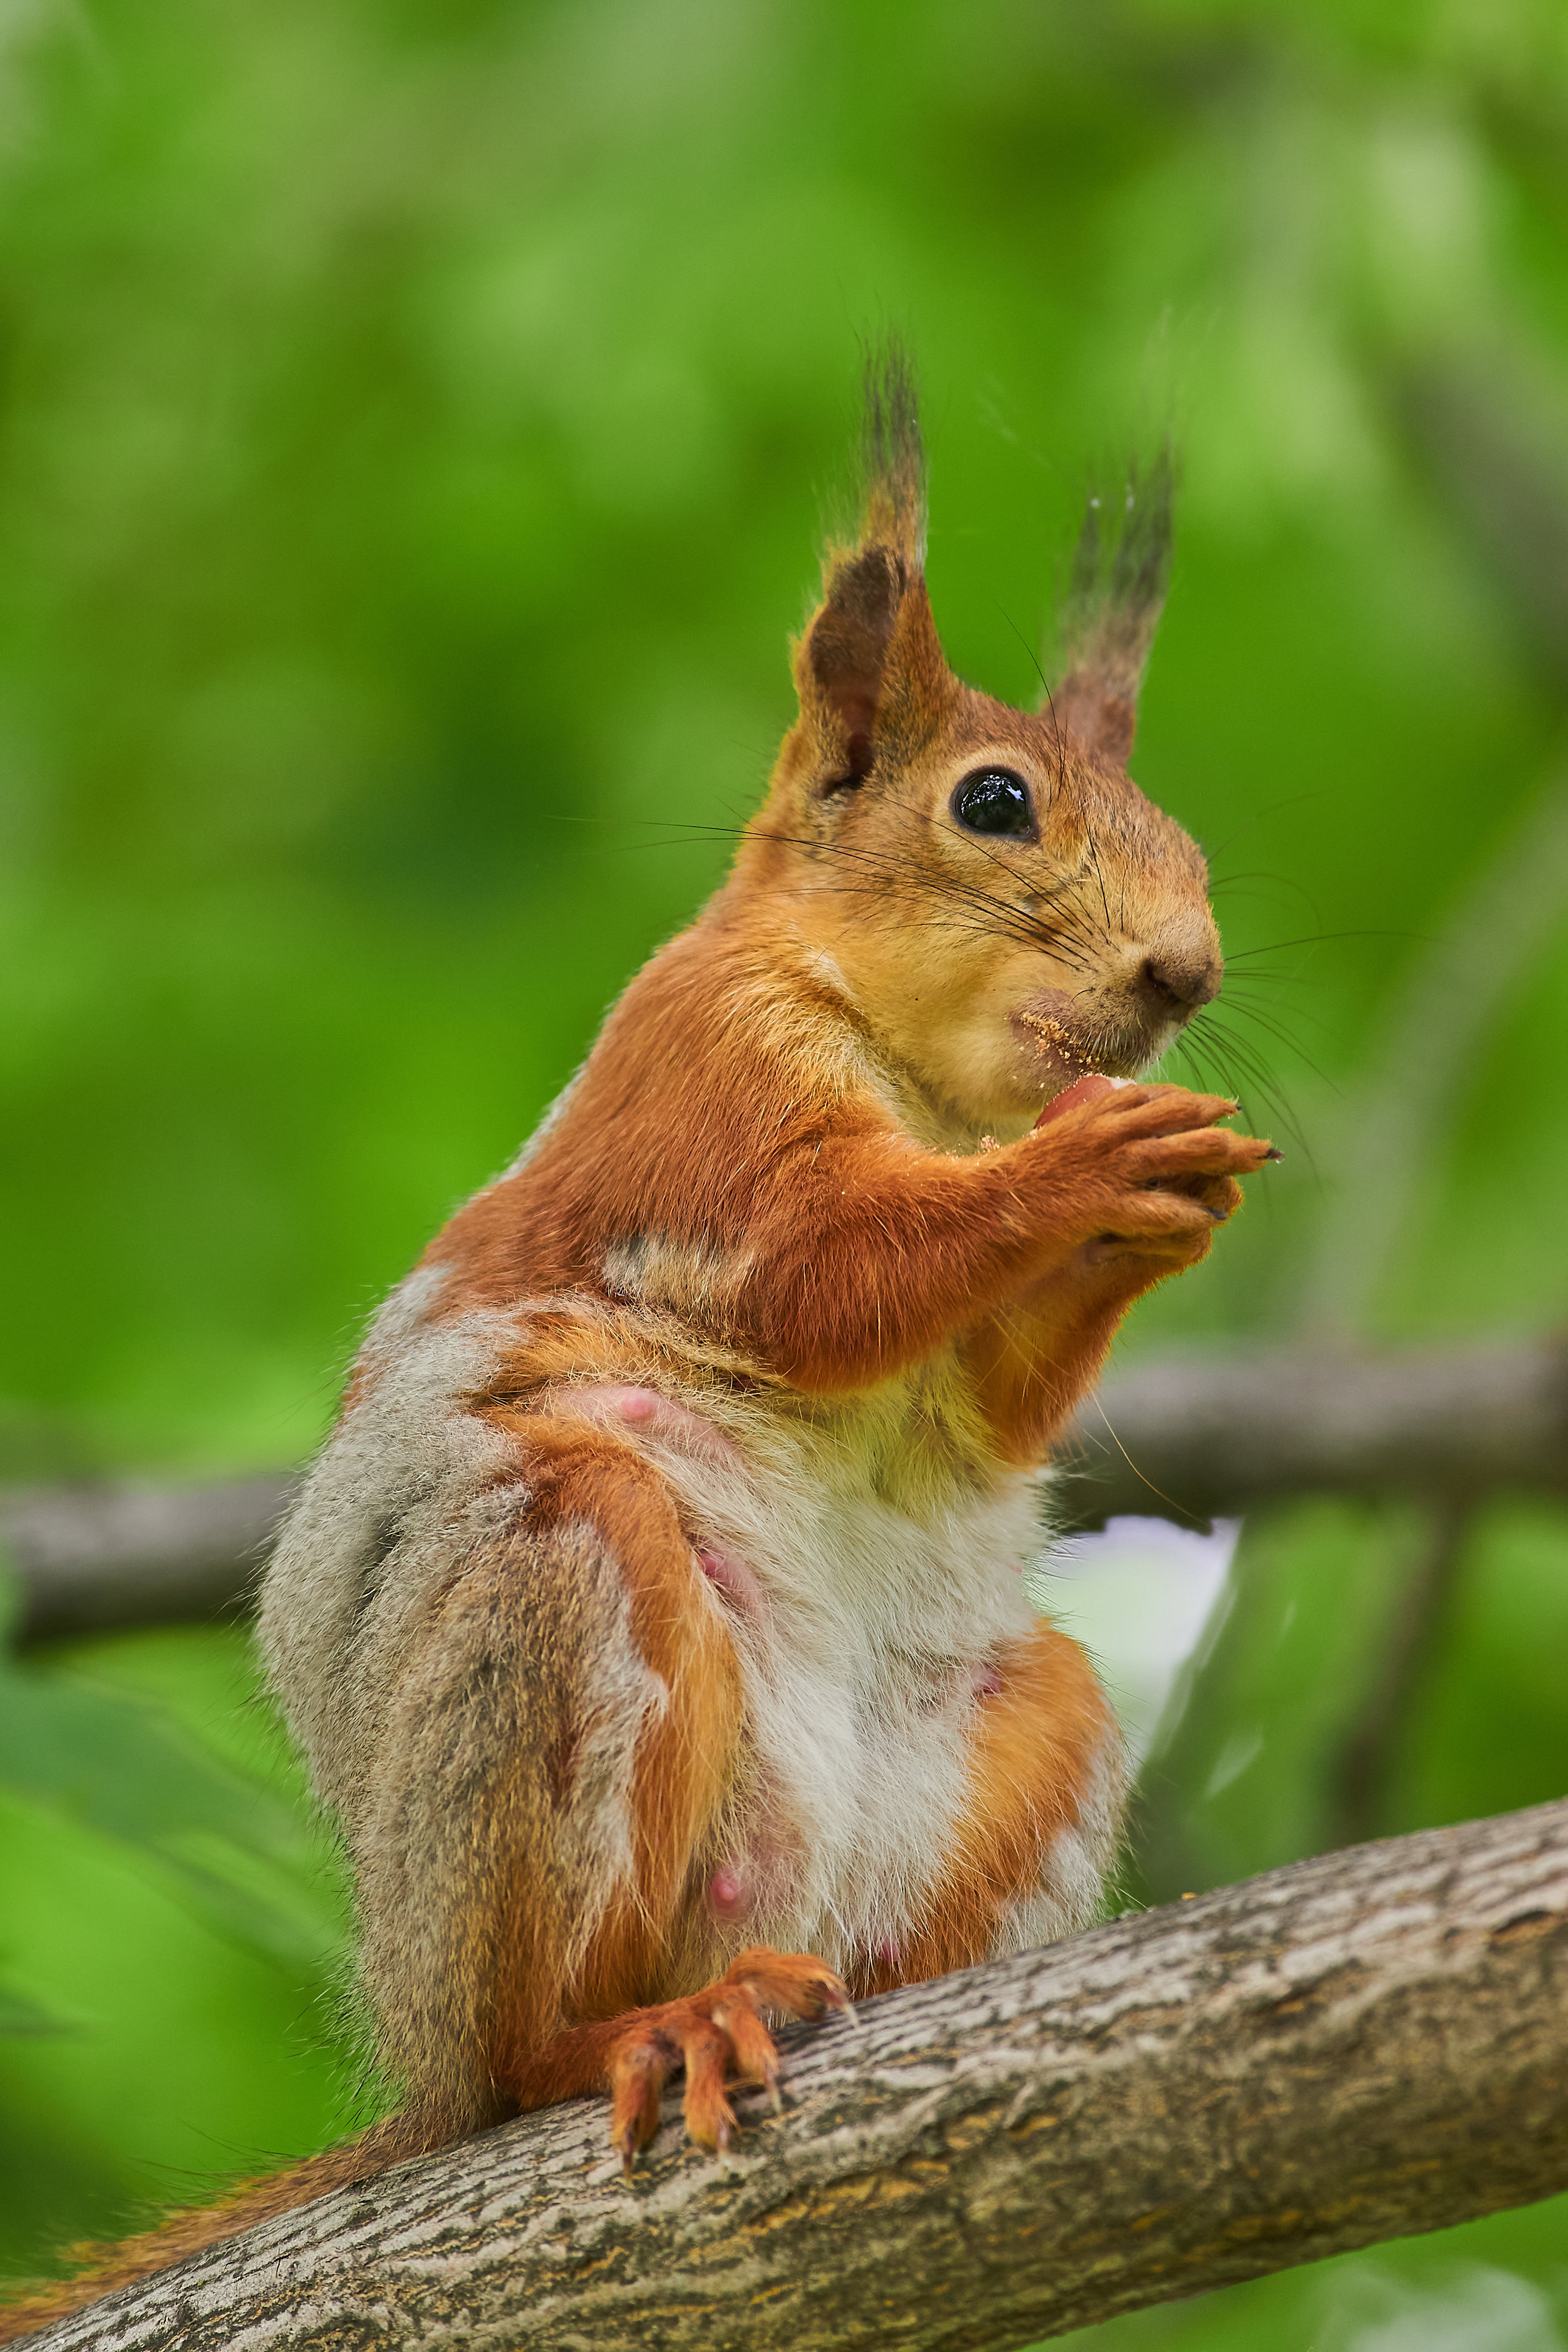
[714, 2034]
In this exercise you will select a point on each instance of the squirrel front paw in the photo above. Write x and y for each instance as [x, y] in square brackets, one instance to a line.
[717, 2033]
[1147, 1169]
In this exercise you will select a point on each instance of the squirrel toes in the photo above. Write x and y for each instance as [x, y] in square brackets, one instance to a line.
[654, 1621]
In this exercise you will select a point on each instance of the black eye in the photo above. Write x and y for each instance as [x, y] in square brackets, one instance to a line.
[995, 801]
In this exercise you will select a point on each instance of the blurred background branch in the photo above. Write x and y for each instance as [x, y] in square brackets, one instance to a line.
[89, 1559]
[1189, 1439]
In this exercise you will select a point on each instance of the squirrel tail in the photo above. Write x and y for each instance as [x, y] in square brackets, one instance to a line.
[391, 2141]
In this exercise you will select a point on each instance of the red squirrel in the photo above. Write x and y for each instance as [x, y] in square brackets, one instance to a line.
[654, 1621]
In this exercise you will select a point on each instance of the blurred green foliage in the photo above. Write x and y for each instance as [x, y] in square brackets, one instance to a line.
[170, 1940]
[416, 423]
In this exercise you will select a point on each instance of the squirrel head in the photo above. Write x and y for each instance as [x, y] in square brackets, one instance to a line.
[999, 903]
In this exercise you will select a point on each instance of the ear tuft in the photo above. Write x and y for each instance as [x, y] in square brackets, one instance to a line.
[870, 669]
[1120, 573]
[893, 454]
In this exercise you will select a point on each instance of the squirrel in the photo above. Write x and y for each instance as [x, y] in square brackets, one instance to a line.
[654, 1623]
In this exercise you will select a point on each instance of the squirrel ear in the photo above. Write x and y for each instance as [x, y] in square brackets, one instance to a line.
[840, 664]
[870, 650]
[1119, 577]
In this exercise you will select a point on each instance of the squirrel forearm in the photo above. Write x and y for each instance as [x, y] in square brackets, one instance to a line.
[869, 1256]
[870, 1261]
[872, 1258]
[1034, 1360]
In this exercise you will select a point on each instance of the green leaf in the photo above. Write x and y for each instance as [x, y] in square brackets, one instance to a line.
[24, 2017]
[112, 1763]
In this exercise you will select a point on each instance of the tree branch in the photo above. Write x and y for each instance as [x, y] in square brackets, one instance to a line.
[1367, 1760]
[1191, 1437]
[1353, 2049]
[90, 1559]
[1183, 1438]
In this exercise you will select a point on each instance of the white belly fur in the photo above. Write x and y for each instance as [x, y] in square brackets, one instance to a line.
[861, 1674]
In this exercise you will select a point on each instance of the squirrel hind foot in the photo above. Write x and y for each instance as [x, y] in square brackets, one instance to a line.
[718, 2035]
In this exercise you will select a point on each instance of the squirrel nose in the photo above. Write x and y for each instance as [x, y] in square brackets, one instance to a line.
[1181, 978]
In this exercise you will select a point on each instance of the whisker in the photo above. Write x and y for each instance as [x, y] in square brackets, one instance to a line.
[1072, 930]
[1292, 799]
[1320, 939]
[1275, 1028]
[1264, 1015]
[1268, 979]
[1240, 1054]
[1098, 875]
[1028, 648]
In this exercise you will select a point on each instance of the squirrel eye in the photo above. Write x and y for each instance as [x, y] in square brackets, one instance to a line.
[995, 800]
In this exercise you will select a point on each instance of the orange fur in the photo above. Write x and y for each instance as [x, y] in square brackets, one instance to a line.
[798, 1187]
[244, 2207]
[1034, 1360]
[1033, 1752]
[840, 1251]
[684, 1761]
[713, 2033]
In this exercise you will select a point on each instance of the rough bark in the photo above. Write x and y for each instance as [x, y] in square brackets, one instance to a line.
[1186, 1438]
[1352, 2049]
